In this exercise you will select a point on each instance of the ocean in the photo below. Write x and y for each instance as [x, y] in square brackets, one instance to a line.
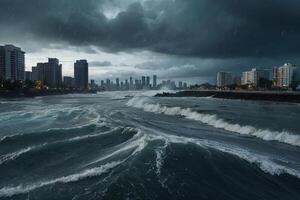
[131, 145]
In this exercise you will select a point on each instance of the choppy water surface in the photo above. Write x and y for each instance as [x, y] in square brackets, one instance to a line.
[111, 146]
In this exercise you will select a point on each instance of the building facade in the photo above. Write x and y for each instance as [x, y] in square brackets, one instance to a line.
[50, 73]
[224, 79]
[12, 63]
[68, 81]
[28, 76]
[253, 77]
[285, 75]
[154, 81]
[81, 74]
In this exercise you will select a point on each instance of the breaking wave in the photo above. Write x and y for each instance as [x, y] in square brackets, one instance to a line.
[265, 163]
[14, 155]
[97, 171]
[213, 120]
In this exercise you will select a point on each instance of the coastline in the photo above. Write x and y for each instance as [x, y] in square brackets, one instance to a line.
[39, 93]
[275, 96]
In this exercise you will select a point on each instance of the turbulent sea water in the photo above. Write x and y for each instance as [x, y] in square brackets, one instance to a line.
[116, 146]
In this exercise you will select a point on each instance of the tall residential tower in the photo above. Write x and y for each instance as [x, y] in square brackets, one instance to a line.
[81, 74]
[12, 63]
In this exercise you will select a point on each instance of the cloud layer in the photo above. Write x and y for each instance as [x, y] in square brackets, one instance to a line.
[198, 28]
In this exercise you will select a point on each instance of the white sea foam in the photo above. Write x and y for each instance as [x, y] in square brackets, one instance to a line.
[160, 152]
[14, 155]
[137, 144]
[265, 163]
[213, 120]
[21, 189]
[92, 135]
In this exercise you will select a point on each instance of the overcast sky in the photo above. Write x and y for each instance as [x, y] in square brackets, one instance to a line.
[178, 39]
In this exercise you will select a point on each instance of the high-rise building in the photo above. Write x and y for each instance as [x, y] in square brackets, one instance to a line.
[254, 76]
[180, 84]
[117, 83]
[148, 81]
[53, 72]
[130, 83]
[81, 74]
[143, 81]
[154, 81]
[136, 84]
[285, 75]
[68, 81]
[93, 84]
[224, 79]
[35, 74]
[185, 86]
[28, 76]
[12, 63]
[50, 73]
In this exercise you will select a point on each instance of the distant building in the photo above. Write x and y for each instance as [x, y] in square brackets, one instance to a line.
[143, 81]
[28, 76]
[50, 73]
[285, 75]
[224, 79]
[148, 81]
[53, 72]
[68, 81]
[81, 74]
[12, 63]
[185, 86]
[154, 82]
[252, 77]
[180, 84]
[117, 83]
[93, 84]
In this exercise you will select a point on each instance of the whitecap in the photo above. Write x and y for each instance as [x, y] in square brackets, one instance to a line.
[213, 120]
[21, 189]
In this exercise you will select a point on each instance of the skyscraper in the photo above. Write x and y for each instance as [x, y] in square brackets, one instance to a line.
[81, 74]
[68, 81]
[224, 79]
[148, 81]
[285, 75]
[53, 72]
[154, 81]
[143, 81]
[50, 73]
[180, 85]
[131, 86]
[28, 76]
[117, 83]
[12, 63]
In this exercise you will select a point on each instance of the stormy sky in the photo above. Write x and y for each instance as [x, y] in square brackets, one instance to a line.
[178, 39]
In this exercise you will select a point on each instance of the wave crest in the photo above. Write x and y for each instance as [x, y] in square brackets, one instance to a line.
[213, 120]
[97, 171]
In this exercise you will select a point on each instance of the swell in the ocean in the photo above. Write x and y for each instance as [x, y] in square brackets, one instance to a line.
[265, 163]
[133, 146]
[213, 120]
[97, 171]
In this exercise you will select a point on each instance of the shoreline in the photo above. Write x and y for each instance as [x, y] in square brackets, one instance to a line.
[39, 93]
[274, 96]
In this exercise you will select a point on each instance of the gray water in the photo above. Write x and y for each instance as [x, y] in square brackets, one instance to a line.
[112, 146]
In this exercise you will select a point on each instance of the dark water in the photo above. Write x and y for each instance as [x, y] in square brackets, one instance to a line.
[109, 146]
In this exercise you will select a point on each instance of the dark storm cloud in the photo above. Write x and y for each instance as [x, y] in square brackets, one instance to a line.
[200, 28]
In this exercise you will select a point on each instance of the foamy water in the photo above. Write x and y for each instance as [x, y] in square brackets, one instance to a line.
[124, 145]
